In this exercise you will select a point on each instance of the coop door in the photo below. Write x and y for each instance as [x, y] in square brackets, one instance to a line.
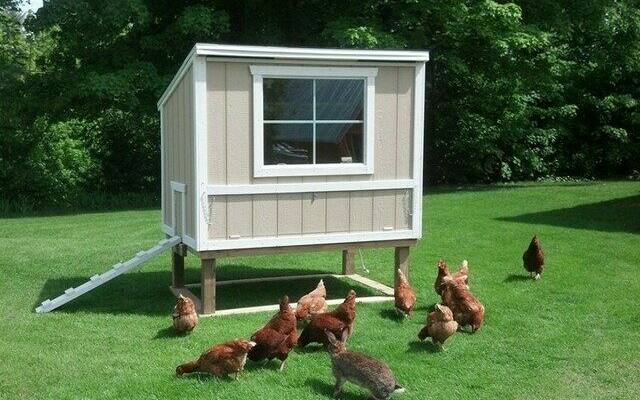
[178, 210]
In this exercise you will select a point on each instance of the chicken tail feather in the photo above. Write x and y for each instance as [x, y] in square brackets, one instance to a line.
[185, 368]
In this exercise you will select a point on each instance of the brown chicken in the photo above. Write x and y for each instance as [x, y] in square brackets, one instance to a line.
[462, 275]
[220, 360]
[440, 325]
[405, 297]
[336, 322]
[442, 272]
[277, 337]
[312, 303]
[533, 257]
[466, 308]
[184, 315]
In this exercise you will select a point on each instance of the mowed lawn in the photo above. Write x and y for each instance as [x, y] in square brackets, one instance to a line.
[573, 334]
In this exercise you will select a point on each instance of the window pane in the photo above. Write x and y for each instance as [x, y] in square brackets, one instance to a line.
[288, 99]
[288, 144]
[339, 143]
[339, 99]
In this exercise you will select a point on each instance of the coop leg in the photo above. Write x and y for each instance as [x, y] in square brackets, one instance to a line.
[208, 288]
[401, 262]
[177, 266]
[348, 262]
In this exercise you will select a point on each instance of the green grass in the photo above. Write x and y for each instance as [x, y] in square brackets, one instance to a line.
[573, 334]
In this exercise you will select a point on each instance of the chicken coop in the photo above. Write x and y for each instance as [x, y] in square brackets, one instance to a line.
[276, 149]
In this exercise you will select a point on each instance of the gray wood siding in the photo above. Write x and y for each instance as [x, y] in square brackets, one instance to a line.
[177, 131]
[230, 161]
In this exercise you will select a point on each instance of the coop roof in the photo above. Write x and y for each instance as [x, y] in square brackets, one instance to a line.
[293, 53]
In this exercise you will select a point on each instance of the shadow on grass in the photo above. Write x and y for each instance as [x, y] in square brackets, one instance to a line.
[311, 348]
[170, 333]
[517, 278]
[617, 215]
[417, 346]
[392, 315]
[147, 293]
[320, 387]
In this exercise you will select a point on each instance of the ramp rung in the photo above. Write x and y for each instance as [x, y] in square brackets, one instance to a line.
[99, 279]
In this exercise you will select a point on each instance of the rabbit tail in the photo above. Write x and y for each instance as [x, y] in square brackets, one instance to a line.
[398, 389]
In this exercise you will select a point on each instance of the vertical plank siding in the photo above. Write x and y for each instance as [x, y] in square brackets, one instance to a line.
[230, 141]
[177, 123]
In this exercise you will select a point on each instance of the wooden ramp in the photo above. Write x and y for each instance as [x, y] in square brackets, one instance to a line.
[116, 270]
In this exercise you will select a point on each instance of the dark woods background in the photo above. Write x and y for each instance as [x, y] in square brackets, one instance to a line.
[527, 90]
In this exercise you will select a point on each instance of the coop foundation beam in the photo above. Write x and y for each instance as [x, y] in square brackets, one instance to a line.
[401, 262]
[348, 262]
[177, 265]
[208, 286]
[385, 290]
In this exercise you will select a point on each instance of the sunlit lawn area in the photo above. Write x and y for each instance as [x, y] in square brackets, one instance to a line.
[573, 334]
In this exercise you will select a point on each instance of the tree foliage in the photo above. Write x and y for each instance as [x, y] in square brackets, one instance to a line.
[518, 90]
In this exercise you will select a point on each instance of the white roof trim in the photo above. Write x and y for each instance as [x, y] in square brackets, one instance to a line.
[291, 53]
[303, 53]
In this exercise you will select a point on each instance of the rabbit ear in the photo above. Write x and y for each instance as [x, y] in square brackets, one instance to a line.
[345, 335]
[330, 336]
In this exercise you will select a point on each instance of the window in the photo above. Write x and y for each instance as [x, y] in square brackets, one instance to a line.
[313, 120]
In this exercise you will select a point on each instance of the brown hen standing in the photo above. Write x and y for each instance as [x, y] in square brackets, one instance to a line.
[220, 360]
[442, 272]
[312, 303]
[440, 325]
[533, 257]
[336, 322]
[466, 308]
[405, 297]
[184, 315]
[277, 337]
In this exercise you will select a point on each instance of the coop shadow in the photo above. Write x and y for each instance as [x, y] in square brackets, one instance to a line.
[147, 293]
[617, 215]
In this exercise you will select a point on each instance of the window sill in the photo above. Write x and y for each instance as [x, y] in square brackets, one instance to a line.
[312, 170]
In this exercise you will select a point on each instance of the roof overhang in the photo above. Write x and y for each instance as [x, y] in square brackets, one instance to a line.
[293, 53]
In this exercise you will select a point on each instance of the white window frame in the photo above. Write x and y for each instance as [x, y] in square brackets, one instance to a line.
[310, 72]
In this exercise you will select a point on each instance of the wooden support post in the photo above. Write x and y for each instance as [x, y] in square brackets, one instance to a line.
[177, 267]
[348, 262]
[401, 262]
[208, 286]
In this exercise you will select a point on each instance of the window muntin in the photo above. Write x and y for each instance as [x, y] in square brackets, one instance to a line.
[331, 110]
[341, 104]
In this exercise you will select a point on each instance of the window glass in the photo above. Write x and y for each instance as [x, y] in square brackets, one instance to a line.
[339, 99]
[295, 133]
[339, 143]
[288, 144]
[288, 99]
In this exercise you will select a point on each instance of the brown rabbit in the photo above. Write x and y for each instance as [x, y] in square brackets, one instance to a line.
[184, 315]
[360, 369]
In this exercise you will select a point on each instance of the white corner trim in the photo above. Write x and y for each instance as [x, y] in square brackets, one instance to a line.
[309, 187]
[418, 146]
[200, 155]
[302, 53]
[300, 240]
[261, 170]
[178, 77]
[312, 72]
[178, 187]
[162, 171]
